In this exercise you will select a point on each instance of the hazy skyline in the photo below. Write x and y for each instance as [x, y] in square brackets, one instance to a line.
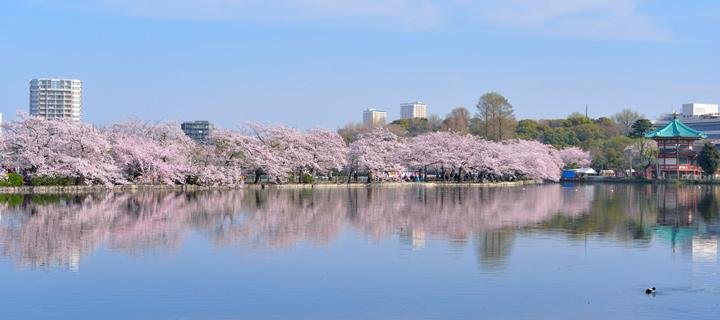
[315, 62]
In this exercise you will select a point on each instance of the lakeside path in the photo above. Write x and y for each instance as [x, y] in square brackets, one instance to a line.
[137, 188]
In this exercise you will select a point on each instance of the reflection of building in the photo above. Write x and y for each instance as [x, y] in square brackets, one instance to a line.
[493, 247]
[56, 98]
[374, 118]
[198, 130]
[413, 110]
[676, 155]
[74, 260]
[414, 238]
[704, 249]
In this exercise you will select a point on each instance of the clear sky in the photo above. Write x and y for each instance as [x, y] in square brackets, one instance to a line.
[321, 62]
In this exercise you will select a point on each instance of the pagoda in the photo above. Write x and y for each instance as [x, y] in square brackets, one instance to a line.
[676, 156]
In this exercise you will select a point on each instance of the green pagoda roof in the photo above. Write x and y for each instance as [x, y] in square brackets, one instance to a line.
[676, 129]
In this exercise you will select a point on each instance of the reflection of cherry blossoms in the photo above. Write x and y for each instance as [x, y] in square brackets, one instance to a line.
[40, 234]
[47, 232]
[456, 212]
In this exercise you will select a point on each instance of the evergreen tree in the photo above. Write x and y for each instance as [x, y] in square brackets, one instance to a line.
[640, 128]
[709, 159]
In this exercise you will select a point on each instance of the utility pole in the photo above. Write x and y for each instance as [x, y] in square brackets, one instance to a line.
[586, 109]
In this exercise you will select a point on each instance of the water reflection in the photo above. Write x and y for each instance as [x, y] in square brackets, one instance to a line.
[59, 231]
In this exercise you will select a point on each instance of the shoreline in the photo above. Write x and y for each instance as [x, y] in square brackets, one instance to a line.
[645, 181]
[184, 188]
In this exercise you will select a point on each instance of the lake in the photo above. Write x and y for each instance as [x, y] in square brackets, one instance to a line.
[408, 252]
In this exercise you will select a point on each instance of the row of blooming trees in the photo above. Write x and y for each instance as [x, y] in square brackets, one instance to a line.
[135, 152]
[461, 156]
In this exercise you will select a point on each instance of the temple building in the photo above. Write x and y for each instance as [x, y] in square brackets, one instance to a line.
[676, 157]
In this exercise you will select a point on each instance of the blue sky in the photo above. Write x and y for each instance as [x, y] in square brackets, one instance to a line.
[321, 62]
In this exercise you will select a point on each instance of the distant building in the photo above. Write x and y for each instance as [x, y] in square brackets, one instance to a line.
[413, 110]
[374, 118]
[198, 130]
[56, 98]
[699, 109]
[698, 116]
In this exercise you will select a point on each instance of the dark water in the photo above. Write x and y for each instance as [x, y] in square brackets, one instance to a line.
[414, 252]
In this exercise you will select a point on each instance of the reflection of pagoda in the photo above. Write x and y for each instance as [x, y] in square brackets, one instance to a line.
[678, 206]
[680, 220]
[677, 209]
[676, 155]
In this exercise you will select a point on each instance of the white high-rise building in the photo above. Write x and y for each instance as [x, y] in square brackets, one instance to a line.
[699, 109]
[413, 110]
[374, 118]
[56, 98]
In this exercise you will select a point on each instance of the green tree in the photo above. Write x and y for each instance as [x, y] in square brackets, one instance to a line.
[576, 119]
[611, 153]
[416, 126]
[528, 130]
[587, 132]
[709, 159]
[640, 127]
[497, 120]
[608, 126]
[560, 138]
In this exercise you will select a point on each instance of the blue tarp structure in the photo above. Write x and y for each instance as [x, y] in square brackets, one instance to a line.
[569, 175]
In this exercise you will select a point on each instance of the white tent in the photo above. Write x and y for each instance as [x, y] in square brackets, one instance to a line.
[586, 171]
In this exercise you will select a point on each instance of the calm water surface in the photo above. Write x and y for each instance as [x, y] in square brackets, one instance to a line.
[412, 252]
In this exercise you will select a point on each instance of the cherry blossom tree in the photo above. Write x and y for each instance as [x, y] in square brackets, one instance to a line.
[533, 160]
[575, 156]
[137, 152]
[377, 152]
[489, 160]
[441, 150]
[290, 150]
[148, 153]
[59, 148]
[220, 161]
[328, 150]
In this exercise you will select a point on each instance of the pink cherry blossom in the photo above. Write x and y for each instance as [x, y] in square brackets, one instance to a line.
[59, 148]
[377, 152]
[143, 153]
[151, 153]
[575, 155]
